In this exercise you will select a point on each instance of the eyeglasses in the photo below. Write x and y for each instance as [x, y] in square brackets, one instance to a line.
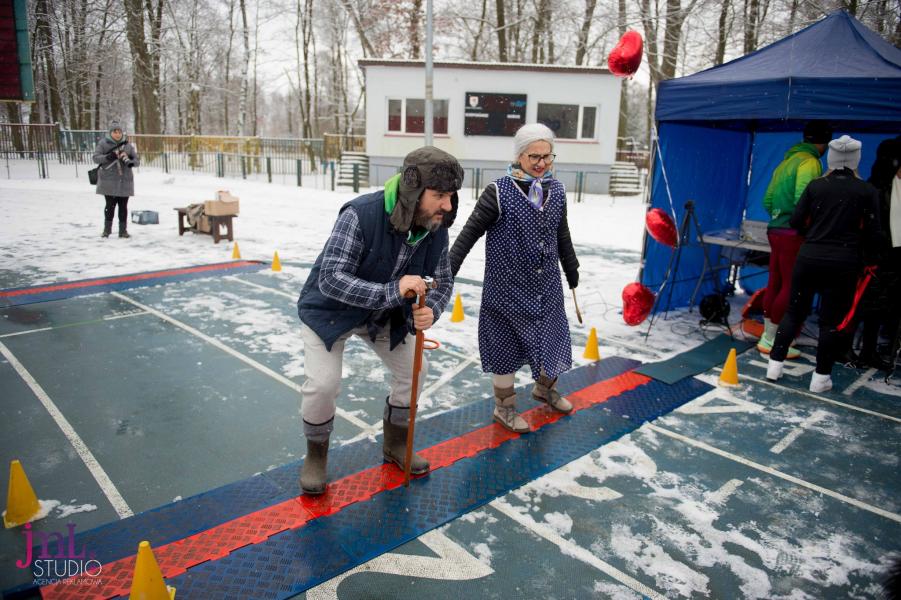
[537, 158]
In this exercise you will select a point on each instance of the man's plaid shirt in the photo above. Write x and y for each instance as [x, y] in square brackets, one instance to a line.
[342, 257]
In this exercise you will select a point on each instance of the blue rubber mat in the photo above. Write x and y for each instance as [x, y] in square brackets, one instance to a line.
[70, 289]
[178, 520]
[293, 561]
[702, 358]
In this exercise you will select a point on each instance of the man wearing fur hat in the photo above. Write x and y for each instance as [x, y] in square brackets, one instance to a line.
[362, 284]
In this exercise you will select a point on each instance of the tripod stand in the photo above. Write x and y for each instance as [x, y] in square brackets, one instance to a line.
[673, 268]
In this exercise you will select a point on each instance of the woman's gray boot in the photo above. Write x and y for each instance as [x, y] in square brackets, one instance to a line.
[505, 410]
[107, 229]
[313, 471]
[394, 449]
[545, 391]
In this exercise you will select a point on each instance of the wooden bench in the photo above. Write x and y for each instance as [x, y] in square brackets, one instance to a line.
[216, 221]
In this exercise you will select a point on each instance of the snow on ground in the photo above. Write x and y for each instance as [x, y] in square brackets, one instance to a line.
[50, 232]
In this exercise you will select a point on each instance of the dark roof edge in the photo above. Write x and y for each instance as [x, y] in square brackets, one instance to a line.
[483, 66]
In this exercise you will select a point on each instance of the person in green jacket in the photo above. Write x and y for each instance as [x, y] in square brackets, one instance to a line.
[800, 166]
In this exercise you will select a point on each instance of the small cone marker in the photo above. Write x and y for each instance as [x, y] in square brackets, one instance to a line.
[276, 263]
[591, 347]
[236, 253]
[147, 582]
[457, 315]
[21, 502]
[729, 376]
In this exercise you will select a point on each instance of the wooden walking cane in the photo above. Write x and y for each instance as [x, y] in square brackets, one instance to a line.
[578, 312]
[414, 391]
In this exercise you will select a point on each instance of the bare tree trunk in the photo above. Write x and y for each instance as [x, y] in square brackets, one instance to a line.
[245, 64]
[501, 31]
[147, 116]
[256, 55]
[228, 59]
[722, 33]
[415, 43]
[44, 41]
[477, 42]
[582, 43]
[307, 57]
[358, 25]
[99, 78]
[621, 20]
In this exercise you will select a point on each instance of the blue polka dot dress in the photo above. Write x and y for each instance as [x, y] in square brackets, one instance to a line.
[522, 320]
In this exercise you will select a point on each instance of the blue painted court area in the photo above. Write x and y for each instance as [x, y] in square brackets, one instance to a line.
[129, 400]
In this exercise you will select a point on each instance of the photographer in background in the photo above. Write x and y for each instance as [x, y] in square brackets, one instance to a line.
[115, 181]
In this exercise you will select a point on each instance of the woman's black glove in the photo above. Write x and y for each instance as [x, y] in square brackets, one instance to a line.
[572, 279]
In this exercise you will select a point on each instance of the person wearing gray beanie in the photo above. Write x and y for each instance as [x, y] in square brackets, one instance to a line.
[116, 157]
[381, 249]
[522, 320]
[844, 153]
[838, 217]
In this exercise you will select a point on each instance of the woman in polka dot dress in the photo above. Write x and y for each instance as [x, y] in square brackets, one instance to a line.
[521, 319]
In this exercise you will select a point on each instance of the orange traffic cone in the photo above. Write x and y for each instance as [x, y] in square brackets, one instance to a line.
[236, 253]
[147, 582]
[729, 376]
[21, 502]
[591, 347]
[276, 263]
[457, 315]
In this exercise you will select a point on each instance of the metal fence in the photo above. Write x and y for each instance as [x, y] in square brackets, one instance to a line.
[48, 138]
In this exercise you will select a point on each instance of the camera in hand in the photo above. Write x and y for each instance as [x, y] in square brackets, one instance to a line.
[127, 161]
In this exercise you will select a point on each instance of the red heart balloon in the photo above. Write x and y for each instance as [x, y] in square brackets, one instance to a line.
[637, 303]
[661, 227]
[625, 58]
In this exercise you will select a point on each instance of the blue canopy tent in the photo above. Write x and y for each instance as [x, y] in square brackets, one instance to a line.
[722, 132]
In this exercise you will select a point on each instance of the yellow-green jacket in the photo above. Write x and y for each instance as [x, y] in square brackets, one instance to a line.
[800, 166]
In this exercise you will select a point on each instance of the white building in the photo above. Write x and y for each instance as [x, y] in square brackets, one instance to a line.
[479, 106]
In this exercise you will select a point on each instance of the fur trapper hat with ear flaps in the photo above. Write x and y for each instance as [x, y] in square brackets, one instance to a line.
[425, 168]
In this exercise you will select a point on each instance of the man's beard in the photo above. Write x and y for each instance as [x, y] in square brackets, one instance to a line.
[426, 222]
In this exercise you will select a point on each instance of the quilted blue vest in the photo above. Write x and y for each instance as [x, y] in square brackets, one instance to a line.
[331, 319]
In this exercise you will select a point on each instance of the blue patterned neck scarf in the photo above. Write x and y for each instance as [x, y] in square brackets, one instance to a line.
[536, 191]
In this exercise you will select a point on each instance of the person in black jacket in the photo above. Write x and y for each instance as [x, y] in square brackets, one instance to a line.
[838, 214]
[880, 307]
[521, 319]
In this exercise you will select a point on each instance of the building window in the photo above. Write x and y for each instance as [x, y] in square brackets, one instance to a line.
[493, 114]
[395, 110]
[569, 121]
[408, 115]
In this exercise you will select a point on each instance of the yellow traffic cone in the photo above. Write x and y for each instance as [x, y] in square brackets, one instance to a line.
[729, 376]
[457, 315]
[21, 502]
[276, 263]
[147, 582]
[591, 347]
[236, 253]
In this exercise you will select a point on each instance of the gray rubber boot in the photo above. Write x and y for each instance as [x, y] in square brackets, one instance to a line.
[313, 471]
[505, 410]
[107, 229]
[545, 391]
[123, 229]
[394, 449]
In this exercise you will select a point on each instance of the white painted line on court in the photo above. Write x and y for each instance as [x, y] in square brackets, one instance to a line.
[571, 549]
[727, 489]
[447, 376]
[817, 416]
[106, 485]
[816, 397]
[67, 325]
[245, 359]
[264, 287]
[859, 382]
[771, 471]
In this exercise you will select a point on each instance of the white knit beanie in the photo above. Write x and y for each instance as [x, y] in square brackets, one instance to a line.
[843, 153]
[533, 132]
